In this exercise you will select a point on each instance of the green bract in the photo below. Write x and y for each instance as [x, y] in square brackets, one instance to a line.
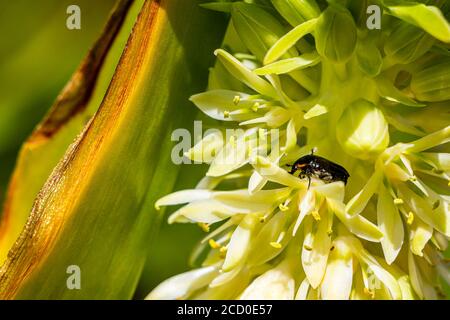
[432, 83]
[258, 29]
[336, 34]
[407, 43]
[297, 11]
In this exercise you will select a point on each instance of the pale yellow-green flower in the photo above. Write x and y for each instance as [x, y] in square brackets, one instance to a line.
[375, 102]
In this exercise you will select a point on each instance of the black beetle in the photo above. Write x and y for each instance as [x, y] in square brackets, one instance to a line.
[321, 168]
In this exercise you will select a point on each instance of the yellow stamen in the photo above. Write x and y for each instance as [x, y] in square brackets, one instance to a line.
[255, 107]
[307, 247]
[369, 293]
[226, 114]
[236, 99]
[398, 201]
[213, 244]
[276, 245]
[204, 226]
[283, 207]
[316, 215]
[223, 252]
[410, 218]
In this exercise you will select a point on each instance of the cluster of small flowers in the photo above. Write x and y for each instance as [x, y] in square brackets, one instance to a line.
[374, 101]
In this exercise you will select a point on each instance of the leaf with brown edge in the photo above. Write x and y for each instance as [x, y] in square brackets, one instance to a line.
[94, 210]
[78, 101]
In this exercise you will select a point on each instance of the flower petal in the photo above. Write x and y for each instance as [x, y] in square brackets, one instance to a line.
[357, 204]
[274, 173]
[373, 267]
[256, 182]
[315, 261]
[275, 284]
[334, 190]
[218, 104]
[302, 292]
[182, 285]
[291, 136]
[242, 201]
[414, 274]
[287, 65]
[270, 232]
[184, 196]
[390, 224]
[337, 282]
[358, 225]
[289, 40]
[208, 211]
[306, 205]
[239, 243]
[421, 233]
[240, 72]
[234, 154]
[206, 149]
[433, 210]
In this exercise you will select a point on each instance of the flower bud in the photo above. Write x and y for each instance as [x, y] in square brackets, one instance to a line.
[362, 130]
[432, 83]
[257, 28]
[407, 43]
[336, 34]
[297, 11]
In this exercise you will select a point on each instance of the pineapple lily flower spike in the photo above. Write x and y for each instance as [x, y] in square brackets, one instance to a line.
[294, 75]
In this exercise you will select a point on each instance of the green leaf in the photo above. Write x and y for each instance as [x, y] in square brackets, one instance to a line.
[387, 90]
[78, 101]
[218, 6]
[239, 71]
[432, 83]
[316, 111]
[124, 155]
[290, 64]
[406, 43]
[257, 28]
[336, 34]
[285, 43]
[297, 11]
[429, 18]
[369, 57]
